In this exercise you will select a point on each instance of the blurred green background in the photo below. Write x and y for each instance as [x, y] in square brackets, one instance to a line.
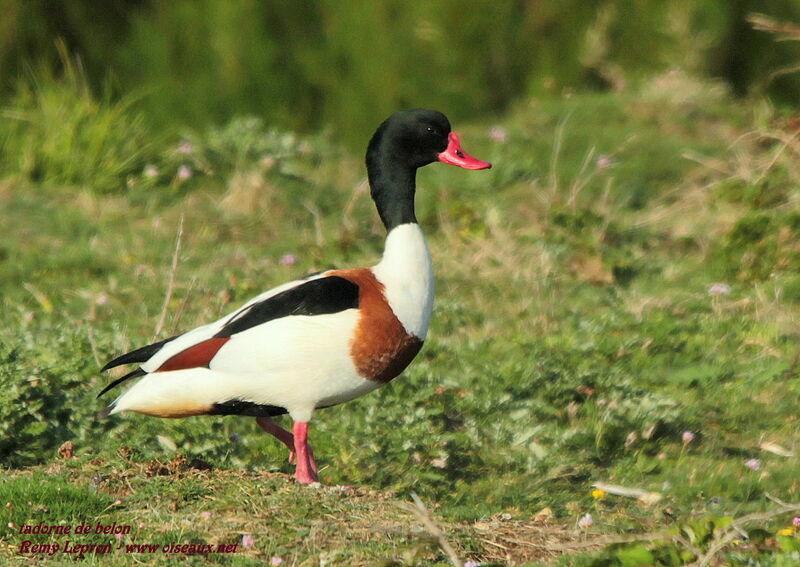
[346, 64]
[618, 298]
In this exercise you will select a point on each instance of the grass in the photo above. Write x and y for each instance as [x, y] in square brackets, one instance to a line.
[56, 129]
[624, 274]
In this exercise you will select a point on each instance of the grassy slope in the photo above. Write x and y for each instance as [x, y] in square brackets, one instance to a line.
[574, 340]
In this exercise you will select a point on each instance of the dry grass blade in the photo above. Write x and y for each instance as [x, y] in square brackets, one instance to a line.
[171, 284]
[629, 492]
[554, 158]
[319, 238]
[607, 540]
[736, 529]
[775, 449]
[423, 515]
[784, 30]
[179, 315]
[93, 346]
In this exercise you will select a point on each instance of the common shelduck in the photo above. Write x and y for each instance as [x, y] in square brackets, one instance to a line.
[323, 339]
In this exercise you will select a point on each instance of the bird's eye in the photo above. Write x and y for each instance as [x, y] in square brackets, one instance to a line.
[431, 129]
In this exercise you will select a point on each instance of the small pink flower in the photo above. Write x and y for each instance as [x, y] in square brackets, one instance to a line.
[205, 515]
[753, 464]
[248, 541]
[796, 521]
[288, 260]
[687, 437]
[603, 161]
[150, 171]
[276, 560]
[184, 172]
[498, 134]
[719, 289]
[585, 522]
[118, 536]
[185, 148]
[471, 564]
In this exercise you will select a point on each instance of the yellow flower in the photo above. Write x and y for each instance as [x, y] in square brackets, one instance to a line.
[786, 531]
[598, 494]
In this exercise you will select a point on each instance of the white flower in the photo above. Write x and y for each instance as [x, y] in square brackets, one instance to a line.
[585, 522]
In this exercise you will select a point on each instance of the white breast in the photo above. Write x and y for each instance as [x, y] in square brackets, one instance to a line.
[407, 275]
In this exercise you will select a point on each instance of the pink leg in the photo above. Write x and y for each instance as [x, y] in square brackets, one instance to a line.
[306, 470]
[276, 431]
[287, 439]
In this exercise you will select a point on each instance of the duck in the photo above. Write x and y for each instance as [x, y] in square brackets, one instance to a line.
[320, 340]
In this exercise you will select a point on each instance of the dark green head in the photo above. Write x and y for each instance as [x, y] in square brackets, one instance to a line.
[404, 142]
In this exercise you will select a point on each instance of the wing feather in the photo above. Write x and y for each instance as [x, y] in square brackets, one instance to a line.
[317, 294]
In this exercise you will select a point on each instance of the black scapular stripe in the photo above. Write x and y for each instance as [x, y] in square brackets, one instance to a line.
[322, 296]
[142, 354]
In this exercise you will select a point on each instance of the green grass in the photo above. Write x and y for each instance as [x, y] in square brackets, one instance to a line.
[57, 130]
[576, 337]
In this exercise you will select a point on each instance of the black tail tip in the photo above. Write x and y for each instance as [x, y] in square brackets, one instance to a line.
[104, 414]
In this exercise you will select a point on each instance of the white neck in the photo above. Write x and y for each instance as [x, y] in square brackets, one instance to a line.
[407, 275]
